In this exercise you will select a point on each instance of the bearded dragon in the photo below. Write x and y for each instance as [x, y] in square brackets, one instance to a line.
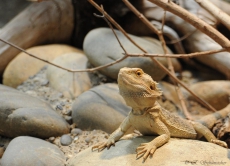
[140, 92]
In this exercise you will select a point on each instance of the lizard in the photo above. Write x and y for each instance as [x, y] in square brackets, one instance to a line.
[140, 92]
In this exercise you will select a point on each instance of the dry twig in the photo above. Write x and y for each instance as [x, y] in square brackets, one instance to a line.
[215, 11]
[195, 21]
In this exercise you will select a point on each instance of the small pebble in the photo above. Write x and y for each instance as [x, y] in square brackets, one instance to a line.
[76, 131]
[88, 139]
[68, 112]
[69, 119]
[59, 107]
[51, 139]
[76, 138]
[66, 140]
[44, 82]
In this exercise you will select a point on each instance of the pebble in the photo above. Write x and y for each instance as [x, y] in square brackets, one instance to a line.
[76, 131]
[66, 140]
[69, 119]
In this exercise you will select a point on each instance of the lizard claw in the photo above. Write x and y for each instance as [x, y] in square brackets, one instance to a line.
[219, 142]
[101, 146]
[145, 149]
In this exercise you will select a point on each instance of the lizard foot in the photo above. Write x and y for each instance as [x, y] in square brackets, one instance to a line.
[145, 149]
[102, 145]
[219, 142]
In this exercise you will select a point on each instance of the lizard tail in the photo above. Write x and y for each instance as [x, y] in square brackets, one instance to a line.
[209, 120]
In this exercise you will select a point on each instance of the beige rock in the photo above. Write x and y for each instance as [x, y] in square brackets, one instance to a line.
[215, 93]
[24, 66]
[177, 152]
[68, 83]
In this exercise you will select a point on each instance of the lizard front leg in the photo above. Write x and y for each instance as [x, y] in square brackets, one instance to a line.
[149, 148]
[115, 136]
[204, 131]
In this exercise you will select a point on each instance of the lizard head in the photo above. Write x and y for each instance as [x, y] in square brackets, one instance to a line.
[134, 85]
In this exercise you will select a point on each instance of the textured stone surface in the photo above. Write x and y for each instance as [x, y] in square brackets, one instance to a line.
[215, 93]
[21, 114]
[70, 84]
[177, 152]
[28, 151]
[100, 108]
[101, 47]
[66, 140]
[23, 66]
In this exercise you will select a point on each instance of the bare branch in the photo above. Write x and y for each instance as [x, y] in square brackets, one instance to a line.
[215, 11]
[69, 70]
[191, 55]
[195, 21]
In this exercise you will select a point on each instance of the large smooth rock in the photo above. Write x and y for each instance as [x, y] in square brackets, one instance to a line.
[101, 108]
[27, 151]
[177, 152]
[68, 83]
[101, 47]
[215, 93]
[23, 66]
[21, 114]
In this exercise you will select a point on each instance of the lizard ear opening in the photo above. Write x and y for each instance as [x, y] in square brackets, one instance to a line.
[151, 87]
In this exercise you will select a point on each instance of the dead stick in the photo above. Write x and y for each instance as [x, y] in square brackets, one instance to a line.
[195, 21]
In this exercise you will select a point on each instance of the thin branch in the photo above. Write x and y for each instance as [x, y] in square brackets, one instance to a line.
[191, 55]
[216, 12]
[69, 70]
[195, 21]
[170, 66]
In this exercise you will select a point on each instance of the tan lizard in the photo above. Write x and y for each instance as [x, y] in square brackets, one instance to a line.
[147, 116]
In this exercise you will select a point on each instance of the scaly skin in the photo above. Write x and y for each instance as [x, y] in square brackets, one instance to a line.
[140, 92]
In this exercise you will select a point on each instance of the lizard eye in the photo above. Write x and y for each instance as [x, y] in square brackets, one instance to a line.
[151, 87]
[138, 73]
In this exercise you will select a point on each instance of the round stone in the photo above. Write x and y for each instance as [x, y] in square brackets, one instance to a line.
[66, 140]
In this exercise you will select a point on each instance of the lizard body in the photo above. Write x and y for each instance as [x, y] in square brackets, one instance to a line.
[147, 116]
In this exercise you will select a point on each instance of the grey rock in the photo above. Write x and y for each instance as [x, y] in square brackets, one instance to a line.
[174, 153]
[29, 151]
[76, 131]
[101, 47]
[68, 83]
[21, 114]
[101, 107]
[66, 140]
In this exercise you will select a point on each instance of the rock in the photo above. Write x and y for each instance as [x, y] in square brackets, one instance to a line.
[175, 152]
[29, 151]
[68, 83]
[23, 66]
[101, 47]
[100, 108]
[66, 140]
[76, 131]
[215, 93]
[21, 114]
